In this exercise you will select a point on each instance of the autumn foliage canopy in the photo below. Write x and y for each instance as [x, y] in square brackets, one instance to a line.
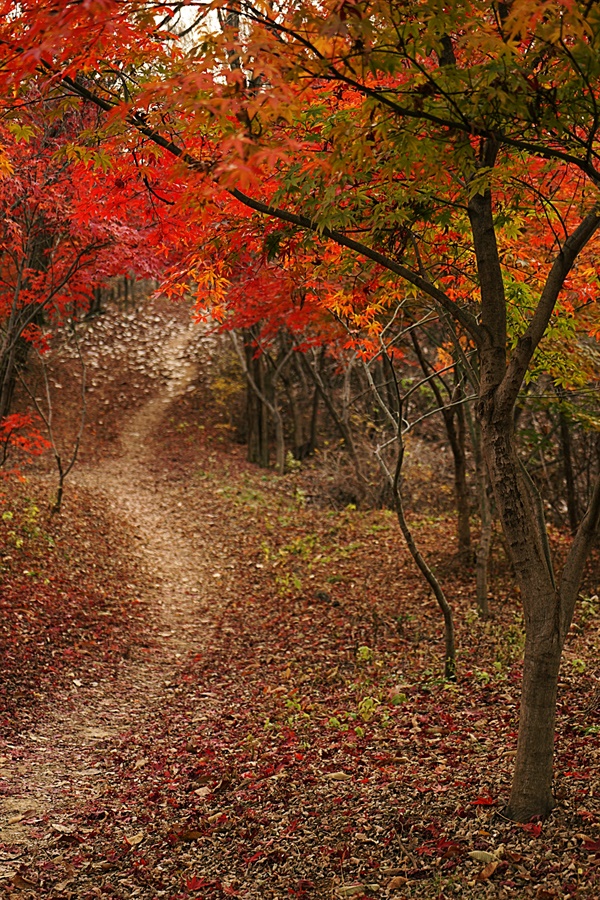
[346, 170]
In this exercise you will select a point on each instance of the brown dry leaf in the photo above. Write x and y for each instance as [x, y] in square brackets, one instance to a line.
[103, 866]
[135, 839]
[202, 792]
[63, 829]
[189, 834]
[396, 882]
[488, 871]
[22, 883]
[545, 894]
[338, 776]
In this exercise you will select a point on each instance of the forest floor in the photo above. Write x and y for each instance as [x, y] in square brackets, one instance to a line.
[214, 685]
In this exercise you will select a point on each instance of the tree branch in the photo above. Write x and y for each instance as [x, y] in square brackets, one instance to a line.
[464, 318]
[528, 343]
[468, 321]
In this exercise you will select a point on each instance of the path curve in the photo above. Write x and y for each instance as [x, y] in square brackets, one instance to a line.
[59, 770]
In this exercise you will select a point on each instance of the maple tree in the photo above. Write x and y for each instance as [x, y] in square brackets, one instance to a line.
[65, 230]
[441, 152]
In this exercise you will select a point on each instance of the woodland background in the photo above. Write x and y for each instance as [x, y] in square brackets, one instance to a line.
[271, 319]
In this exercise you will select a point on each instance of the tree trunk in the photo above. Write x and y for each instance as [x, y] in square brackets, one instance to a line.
[547, 611]
[257, 416]
[567, 455]
[314, 421]
[531, 793]
[526, 539]
[279, 434]
[485, 531]
[11, 363]
[426, 571]
[461, 490]
[315, 373]
[454, 421]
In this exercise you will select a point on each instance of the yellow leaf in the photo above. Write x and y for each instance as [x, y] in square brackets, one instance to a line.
[6, 167]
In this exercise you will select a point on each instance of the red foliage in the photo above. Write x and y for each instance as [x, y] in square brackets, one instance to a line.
[19, 430]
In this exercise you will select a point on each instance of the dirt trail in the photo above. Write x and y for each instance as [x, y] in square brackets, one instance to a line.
[66, 761]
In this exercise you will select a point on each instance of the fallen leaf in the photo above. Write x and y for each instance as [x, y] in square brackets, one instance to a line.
[350, 890]
[396, 882]
[135, 839]
[189, 834]
[338, 776]
[488, 870]
[194, 883]
[63, 829]
[534, 828]
[23, 883]
[591, 846]
[215, 817]
[482, 856]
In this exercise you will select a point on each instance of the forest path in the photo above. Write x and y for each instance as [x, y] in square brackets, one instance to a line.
[66, 762]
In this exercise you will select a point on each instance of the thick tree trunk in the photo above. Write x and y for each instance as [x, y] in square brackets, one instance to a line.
[548, 611]
[526, 539]
[531, 793]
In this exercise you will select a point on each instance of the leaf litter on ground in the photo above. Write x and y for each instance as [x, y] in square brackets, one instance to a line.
[311, 749]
